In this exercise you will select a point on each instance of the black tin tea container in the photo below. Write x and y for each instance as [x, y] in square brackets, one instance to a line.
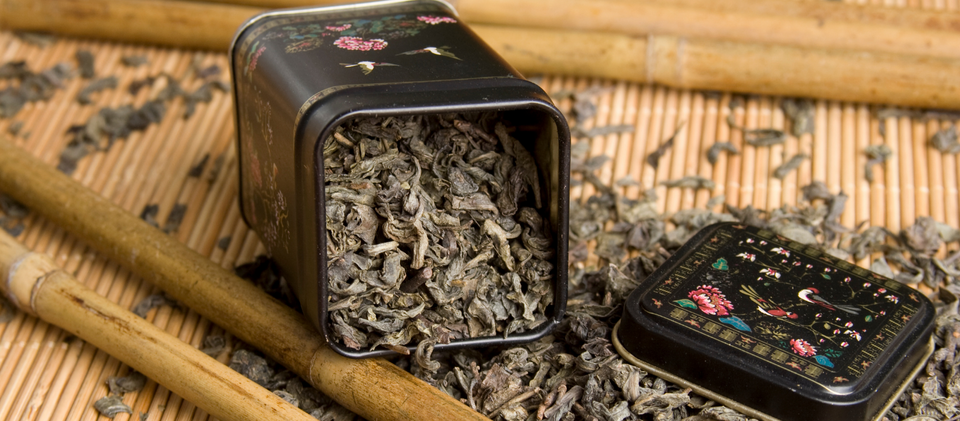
[299, 74]
[776, 329]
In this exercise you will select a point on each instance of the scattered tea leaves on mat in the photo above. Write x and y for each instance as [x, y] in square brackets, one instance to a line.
[12, 214]
[151, 302]
[653, 159]
[85, 64]
[878, 154]
[792, 164]
[945, 140]
[224, 242]
[104, 128]
[134, 61]
[209, 72]
[28, 86]
[252, 366]
[801, 113]
[713, 154]
[132, 382]
[110, 406]
[203, 94]
[263, 272]
[109, 82]
[138, 84]
[691, 182]
[213, 345]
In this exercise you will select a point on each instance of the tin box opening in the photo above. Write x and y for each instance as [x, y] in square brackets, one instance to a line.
[442, 230]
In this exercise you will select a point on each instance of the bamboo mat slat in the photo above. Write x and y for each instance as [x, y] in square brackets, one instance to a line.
[45, 374]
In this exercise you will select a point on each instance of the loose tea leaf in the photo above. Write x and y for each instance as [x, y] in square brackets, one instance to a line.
[132, 382]
[85, 63]
[759, 137]
[111, 405]
[134, 61]
[945, 140]
[792, 164]
[878, 154]
[691, 182]
[153, 301]
[653, 159]
[713, 154]
[109, 82]
[28, 86]
[801, 113]
[434, 232]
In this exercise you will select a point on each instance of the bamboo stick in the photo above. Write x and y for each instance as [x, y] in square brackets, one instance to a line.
[681, 62]
[813, 24]
[373, 388]
[34, 283]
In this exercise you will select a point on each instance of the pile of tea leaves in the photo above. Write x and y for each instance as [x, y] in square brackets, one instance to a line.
[435, 232]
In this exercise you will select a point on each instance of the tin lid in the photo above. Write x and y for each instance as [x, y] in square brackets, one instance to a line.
[777, 329]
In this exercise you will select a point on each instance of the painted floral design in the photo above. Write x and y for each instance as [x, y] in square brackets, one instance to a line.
[802, 348]
[434, 20]
[340, 28]
[360, 44]
[711, 300]
[254, 58]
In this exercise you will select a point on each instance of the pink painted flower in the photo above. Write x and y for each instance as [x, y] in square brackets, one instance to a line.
[255, 170]
[711, 300]
[255, 58]
[433, 20]
[360, 44]
[803, 348]
[343, 27]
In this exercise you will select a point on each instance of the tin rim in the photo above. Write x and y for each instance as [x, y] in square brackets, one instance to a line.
[742, 408]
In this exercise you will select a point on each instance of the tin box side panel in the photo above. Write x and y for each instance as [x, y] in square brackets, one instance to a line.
[265, 139]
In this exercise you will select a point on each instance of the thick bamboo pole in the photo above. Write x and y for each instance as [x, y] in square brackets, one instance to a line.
[687, 63]
[37, 286]
[373, 388]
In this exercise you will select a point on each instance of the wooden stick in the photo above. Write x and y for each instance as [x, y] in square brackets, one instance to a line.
[681, 62]
[373, 388]
[34, 283]
[800, 23]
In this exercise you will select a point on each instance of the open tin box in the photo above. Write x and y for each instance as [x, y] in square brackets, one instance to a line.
[299, 74]
[776, 329]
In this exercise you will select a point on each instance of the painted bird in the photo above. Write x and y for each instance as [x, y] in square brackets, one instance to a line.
[367, 66]
[810, 295]
[437, 51]
[765, 306]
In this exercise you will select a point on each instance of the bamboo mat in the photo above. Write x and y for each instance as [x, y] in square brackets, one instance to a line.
[47, 375]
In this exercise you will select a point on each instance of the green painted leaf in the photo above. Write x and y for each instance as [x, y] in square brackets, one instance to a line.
[721, 264]
[869, 318]
[686, 303]
[825, 275]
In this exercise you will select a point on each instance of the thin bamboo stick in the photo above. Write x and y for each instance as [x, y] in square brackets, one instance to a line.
[227, 301]
[848, 166]
[38, 286]
[694, 154]
[920, 164]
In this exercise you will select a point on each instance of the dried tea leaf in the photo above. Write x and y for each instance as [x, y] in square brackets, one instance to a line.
[714, 153]
[801, 113]
[149, 214]
[653, 159]
[134, 61]
[224, 242]
[153, 301]
[197, 170]
[85, 63]
[945, 140]
[109, 82]
[691, 182]
[110, 406]
[39, 39]
[759, 137]
[252, 366]
[792, 164]
[15, 128]
[878, 154]
[175, 218]
[132, 382]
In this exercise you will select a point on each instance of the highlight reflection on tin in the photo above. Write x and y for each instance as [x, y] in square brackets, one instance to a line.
[412, 186]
